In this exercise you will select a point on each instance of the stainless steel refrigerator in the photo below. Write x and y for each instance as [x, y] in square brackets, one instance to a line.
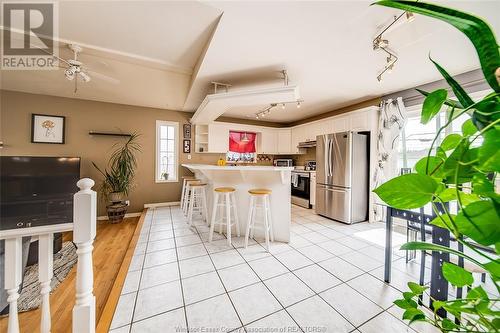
[342, 176]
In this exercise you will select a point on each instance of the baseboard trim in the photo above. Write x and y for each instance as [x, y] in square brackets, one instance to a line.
[162, 204]
[105, 217]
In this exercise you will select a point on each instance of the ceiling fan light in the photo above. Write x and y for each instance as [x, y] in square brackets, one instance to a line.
[69, 73]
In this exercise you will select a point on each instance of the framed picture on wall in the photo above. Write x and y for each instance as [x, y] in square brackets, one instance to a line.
[187, 131]
[186, 146]
[47, 128]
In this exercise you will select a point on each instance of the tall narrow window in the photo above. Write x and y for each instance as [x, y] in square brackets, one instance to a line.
[167, 151]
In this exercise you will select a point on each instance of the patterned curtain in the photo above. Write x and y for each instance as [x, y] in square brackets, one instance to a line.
[242, 142]
[392, 120]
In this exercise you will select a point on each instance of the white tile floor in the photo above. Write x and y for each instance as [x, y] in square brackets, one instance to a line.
[328, 279]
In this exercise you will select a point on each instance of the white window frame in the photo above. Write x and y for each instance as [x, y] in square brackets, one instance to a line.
[175, 124]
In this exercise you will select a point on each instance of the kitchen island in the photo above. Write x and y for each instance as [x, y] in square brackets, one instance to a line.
[243, 178]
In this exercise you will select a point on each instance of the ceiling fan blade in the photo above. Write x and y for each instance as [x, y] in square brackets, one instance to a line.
[53, 55]
[103, 77]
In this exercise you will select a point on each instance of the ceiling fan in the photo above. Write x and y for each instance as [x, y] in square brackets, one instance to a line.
[75, 70]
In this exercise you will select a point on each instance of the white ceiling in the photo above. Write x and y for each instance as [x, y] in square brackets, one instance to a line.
[165, 53]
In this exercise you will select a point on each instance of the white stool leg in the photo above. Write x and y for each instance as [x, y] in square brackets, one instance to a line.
[249, 220]
[191, 207]
[254, 215]
[228, 218]
[221, 214]
[270, 217]
[214, 213]
[204, 203]
[182, 193]
[187, 194]
[235, 213]
[266, 222]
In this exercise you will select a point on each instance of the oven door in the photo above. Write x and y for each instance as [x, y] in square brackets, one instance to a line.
[301, 189]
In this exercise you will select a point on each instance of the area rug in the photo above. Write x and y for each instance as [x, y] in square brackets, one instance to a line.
[30, 297]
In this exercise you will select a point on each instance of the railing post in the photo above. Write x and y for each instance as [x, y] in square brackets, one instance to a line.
[45, 273]
[13, 272]
[84, 220]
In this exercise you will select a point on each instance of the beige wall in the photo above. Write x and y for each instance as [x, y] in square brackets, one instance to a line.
[83, 116]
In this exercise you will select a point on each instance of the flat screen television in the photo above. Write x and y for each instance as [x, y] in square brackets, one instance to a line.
[37, 191]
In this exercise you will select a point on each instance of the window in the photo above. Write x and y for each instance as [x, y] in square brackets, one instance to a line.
[167, 151]
[416, 138]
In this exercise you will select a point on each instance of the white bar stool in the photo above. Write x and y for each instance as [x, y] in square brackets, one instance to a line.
[187, 195]
[228, 201]
[263, 195]
[197, 201]
[185, 180]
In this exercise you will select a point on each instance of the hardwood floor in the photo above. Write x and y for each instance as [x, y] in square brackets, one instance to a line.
[110, 247]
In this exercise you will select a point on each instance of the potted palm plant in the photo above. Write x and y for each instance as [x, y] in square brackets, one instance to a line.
[119, 176]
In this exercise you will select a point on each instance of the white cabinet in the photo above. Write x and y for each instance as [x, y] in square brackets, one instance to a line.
[359, 121]
[284, 141]
[268, 141]
[298, 135]
[218, 138]
[340, 124]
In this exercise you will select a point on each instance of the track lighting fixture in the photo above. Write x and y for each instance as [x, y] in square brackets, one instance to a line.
[410, 17]
[379, 43]
[268, 109]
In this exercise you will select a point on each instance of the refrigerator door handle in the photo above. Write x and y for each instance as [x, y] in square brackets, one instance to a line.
[330, 162]
[335, 190]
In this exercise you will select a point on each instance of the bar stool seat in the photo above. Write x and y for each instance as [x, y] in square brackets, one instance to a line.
[263, 195]
[259, 191]
[224, 189]
[225, 207]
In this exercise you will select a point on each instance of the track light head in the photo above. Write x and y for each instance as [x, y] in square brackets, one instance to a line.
[410, 17]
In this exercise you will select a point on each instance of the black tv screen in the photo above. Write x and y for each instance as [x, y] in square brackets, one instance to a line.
[37, 191]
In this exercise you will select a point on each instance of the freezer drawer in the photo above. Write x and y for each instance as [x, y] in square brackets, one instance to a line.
[334, 203]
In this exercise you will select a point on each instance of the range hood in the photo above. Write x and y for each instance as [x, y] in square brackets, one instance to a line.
[307, 144]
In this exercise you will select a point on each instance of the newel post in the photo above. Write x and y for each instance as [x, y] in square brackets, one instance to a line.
[84, 224]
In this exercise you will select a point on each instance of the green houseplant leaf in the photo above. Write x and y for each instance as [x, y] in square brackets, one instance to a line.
[450, 142]
[480, 221]
[462, 96]
[431, 166]
[489, 153]
[456, 275]
[468, 128]
[432, 105]
[407, 191]
[477, 30]
[449, 102]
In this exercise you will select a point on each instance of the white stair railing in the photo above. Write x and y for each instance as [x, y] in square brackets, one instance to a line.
[84, 230]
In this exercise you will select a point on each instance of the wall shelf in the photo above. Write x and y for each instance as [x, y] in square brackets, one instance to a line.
[110, 134]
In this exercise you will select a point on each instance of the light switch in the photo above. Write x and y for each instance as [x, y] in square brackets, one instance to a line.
[189, 156]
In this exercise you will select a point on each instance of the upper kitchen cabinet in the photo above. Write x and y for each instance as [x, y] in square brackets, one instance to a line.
[284, 141]
[268, 141]
[340, 124]
[218, 138]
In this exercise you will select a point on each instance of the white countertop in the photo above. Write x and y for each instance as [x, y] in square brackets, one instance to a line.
[236, 167]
